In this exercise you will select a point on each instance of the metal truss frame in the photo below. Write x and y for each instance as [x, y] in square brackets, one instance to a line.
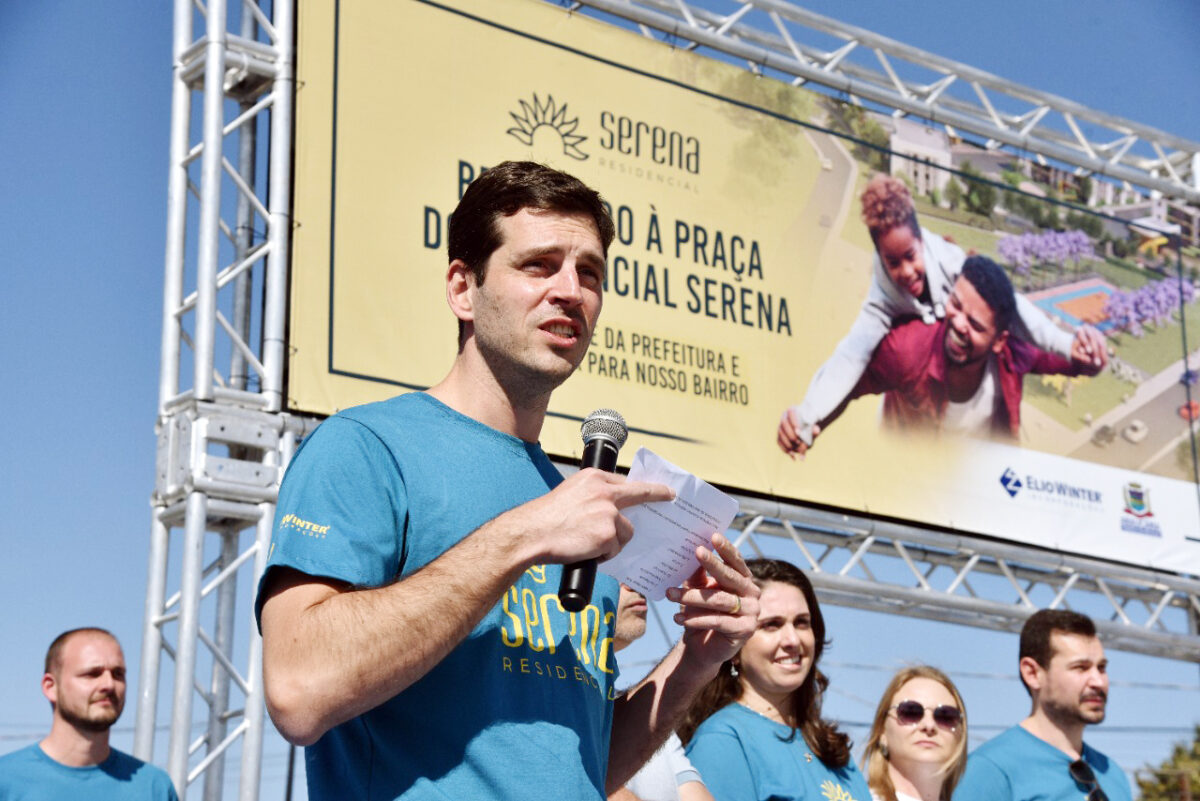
[779, 36]
[224, 435]
[960, 578]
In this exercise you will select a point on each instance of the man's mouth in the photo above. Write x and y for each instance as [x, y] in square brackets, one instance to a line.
[566, 330]
[957, 341]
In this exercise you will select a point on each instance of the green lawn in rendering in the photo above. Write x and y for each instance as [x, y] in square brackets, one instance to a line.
[1152, 353]
[1160, 346]
[1093, 396]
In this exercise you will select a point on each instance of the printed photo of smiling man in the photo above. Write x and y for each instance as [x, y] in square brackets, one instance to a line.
[963, 374]
[913, 277]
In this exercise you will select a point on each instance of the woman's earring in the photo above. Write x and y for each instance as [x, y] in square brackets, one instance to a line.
[733, 671]
[883, 749]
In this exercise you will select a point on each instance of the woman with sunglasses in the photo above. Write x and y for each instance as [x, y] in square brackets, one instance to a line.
[756, 732]
[917, 748]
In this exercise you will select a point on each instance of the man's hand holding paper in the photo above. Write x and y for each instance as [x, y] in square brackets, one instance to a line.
[677, 552]
[662, 552]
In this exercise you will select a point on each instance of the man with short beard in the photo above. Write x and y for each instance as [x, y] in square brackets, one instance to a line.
[84, 681]
[963, 375]
[1065, 672]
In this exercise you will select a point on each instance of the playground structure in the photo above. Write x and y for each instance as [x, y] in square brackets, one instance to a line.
[1151, 245]
[225, 434]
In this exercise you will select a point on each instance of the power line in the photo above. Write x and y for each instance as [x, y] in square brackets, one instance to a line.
[971, 674]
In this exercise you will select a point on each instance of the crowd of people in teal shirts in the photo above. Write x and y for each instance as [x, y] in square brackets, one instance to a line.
[756, 732]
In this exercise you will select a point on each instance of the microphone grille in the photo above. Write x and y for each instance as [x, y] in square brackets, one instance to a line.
[605, 423]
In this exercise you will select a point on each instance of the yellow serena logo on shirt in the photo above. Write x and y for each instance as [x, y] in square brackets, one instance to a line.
[306, 527]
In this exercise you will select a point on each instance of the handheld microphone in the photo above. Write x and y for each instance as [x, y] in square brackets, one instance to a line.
[604, 432]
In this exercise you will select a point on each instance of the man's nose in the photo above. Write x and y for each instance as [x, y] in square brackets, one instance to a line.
[566, 287]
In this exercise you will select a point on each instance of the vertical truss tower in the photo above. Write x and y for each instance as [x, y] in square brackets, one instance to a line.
[224, 435]
[222, 432]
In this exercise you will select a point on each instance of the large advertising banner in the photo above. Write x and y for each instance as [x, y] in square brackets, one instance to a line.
[740, 263]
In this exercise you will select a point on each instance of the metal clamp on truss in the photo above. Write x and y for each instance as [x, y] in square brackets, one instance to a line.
[219, 451]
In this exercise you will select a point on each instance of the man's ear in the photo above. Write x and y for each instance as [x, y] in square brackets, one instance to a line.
[460, 294]
[50, 688]
[1031, 673]
[1000, 342]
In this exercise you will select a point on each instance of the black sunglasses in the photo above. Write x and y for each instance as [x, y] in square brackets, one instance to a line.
[910, 713]
[1082, 773]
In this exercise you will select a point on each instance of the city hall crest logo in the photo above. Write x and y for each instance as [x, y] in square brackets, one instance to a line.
[1137, 511]
[1137, 500]
[537, 120]
[1011, 483]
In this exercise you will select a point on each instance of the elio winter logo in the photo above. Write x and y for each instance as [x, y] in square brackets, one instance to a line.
[1011, 483]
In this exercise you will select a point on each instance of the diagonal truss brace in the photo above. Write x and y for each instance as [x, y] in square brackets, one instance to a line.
[898, 569]
[1003, 112]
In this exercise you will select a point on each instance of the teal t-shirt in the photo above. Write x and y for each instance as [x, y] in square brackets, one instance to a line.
[522, 708]
[31, 775]
[1018, 766]
[744, 756]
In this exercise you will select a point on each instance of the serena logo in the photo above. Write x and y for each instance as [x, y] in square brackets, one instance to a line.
[552, 118]
[547, 122]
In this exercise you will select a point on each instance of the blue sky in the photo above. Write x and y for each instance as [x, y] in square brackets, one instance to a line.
[86, 90]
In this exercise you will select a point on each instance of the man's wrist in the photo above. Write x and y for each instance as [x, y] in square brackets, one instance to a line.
[695, 665]
[507, 539]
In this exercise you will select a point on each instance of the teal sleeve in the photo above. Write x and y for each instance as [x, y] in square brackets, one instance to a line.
[342, 509]
[983, 781]
[721, 760]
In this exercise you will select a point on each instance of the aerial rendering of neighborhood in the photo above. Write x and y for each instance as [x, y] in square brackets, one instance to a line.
[1085, 250]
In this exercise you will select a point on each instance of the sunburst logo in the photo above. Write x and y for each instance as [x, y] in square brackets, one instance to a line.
[538, 115]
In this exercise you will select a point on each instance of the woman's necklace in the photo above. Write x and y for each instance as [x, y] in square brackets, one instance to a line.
[768, 711]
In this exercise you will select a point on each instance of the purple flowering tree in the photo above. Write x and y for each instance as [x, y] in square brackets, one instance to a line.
[1047, 249]
[1153, 305]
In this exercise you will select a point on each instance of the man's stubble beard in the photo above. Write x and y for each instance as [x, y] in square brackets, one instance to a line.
[1071, 715]
[92, 724]
[526, 385]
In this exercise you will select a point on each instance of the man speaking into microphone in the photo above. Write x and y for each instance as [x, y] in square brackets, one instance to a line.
[413, 637]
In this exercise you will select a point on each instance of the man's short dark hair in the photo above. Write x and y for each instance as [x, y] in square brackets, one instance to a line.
[54, 652]
[1035, 634]
[992, 284]
[504, 190]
